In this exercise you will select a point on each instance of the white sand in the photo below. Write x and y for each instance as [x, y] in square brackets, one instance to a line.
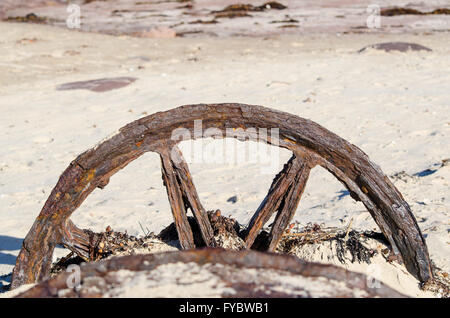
[394, 106]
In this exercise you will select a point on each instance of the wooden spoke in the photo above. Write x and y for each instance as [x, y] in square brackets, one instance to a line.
[283, 196]
[289, 205]
[190, 195]
[81, 242]
[176, 200]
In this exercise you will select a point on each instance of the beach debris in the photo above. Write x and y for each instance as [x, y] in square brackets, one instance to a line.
[274, 5]
[110, 243]
[285, 26]
[240, 7]
[310, 143]
[440, 285]
[396, 46]
[241, 10]
[232, 14]
[249, 7]
[204, 22]
[402, 176]
[211, 272]
[350, 246]
[29, 18]
[389, 12]
[228, 233]
[232, 199]
[27, 41]
[184, 33]
[288, 20]
[98, 85]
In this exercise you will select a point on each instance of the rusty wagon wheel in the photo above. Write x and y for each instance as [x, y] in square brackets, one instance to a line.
[310, 143]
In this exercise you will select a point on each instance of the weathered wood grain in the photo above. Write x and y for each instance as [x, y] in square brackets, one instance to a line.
[177, 203]
[190, 195]
[289, 205]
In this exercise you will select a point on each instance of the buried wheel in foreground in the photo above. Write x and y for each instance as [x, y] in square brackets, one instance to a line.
[310, 143]
[210, 273]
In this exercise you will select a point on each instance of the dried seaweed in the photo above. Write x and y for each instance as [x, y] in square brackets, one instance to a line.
[219, 224]
[389, 12]
[241, 10]
[353, 245]
[232, 14]
[285, 21]
[204, 22]
[29, 18]
[440, 284]
[351, 242]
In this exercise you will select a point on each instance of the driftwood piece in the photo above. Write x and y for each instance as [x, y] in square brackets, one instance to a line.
[98, 279]
[306, 139]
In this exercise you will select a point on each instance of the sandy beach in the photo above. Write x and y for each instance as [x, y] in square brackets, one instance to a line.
[395, 106]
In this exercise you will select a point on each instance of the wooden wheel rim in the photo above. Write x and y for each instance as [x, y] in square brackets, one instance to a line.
[310, 143]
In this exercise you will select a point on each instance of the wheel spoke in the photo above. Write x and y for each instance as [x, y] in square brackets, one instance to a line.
[190, 195]
[283, 196]
[81, 242]
[288, 206]
[176, 200]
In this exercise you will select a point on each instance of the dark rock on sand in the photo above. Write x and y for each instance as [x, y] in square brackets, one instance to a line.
[396, 46]
[389, 12]
[98, 85]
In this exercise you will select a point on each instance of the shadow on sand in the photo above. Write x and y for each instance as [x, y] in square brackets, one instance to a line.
[9, 243]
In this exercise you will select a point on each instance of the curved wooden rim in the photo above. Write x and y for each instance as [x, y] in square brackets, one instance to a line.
[240, 259]
[310, 143]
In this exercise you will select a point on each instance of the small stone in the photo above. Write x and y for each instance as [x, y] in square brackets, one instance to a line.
[232, 199]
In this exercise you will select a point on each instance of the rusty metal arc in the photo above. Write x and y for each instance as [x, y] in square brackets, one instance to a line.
[310, 143]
